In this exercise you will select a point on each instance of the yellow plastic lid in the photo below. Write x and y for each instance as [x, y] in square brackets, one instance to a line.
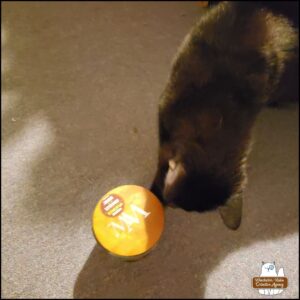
[128, 221]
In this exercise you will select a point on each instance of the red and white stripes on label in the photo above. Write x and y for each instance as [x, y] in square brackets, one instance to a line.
[112, 205]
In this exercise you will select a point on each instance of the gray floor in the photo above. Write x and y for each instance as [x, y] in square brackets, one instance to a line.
[79, 101]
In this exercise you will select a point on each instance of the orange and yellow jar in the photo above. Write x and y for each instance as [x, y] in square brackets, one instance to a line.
[128, 221]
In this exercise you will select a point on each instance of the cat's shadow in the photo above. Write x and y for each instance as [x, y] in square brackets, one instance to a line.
[194, 244]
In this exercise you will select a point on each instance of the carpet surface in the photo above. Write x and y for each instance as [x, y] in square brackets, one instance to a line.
[80, 89]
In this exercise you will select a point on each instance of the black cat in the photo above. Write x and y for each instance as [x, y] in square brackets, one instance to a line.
[227, 68]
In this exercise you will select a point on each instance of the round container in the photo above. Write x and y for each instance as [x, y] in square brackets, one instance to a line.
[128, 221]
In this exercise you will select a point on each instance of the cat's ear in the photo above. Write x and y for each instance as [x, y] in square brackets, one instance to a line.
[174, 178]
[231, 212]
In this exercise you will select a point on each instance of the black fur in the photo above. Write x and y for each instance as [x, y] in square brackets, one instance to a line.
[229, 66]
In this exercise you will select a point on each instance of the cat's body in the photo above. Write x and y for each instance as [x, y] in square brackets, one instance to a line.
[226, 70]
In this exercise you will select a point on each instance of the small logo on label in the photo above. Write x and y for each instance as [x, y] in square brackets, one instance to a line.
[270, 282]
[112, 205]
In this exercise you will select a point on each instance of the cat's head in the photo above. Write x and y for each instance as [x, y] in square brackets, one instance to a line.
[200, 156]
[190, 189]
[184, 180]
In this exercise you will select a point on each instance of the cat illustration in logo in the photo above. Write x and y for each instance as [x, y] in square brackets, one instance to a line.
[269, 270]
